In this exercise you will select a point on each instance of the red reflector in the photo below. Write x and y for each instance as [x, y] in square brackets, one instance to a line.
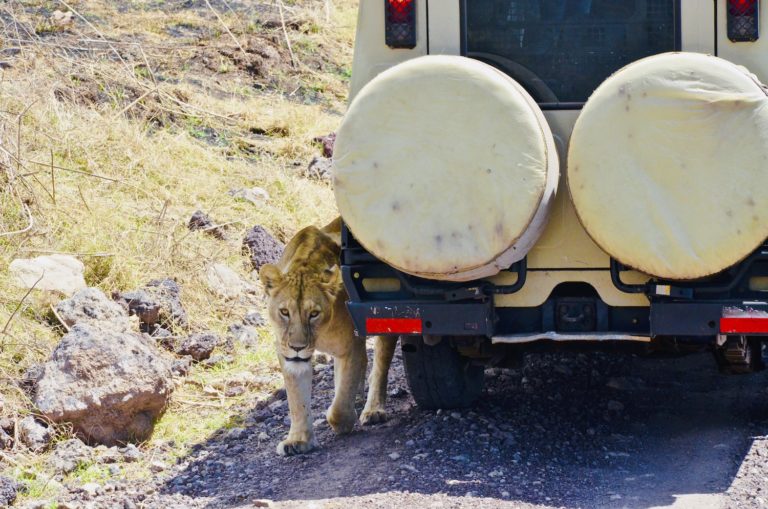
[743, 20]
[400, 10]
[744, 325]
[400, 23]
[393, 325]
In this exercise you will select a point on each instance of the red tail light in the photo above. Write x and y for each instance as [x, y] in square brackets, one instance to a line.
[743, 20]
[400, 23]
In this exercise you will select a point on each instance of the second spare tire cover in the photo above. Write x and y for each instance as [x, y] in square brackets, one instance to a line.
[445, 168]
[668, 165]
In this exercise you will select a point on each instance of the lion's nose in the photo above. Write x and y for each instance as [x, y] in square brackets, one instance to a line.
[297, 348]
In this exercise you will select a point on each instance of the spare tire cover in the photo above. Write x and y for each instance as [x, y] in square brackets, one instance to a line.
[445, 168]
[668, 165]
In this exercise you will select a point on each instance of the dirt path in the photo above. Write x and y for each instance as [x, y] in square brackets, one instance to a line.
[567, 430]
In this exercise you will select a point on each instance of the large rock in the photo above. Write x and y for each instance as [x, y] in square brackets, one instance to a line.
[110, 385]
[60, 273]
[262, 247]
[91, 305]
[157, 305]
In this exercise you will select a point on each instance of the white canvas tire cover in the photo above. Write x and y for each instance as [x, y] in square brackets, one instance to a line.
[445, 168]
[668, 165]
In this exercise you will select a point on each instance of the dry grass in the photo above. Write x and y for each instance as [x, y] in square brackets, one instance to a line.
[115, 129]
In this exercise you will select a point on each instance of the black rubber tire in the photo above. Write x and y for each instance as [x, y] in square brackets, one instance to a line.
[440, 377]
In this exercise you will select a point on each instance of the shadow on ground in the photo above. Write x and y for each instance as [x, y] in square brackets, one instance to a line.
[570, 429]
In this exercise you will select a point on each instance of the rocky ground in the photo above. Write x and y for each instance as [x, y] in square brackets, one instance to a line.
[568, 429]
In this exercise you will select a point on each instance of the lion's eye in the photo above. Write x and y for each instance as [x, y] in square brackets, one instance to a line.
[284, 312]
[314, 314]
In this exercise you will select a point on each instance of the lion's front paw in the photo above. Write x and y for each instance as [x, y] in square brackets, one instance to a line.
[294, 447]
[341, 422]
[375, 416]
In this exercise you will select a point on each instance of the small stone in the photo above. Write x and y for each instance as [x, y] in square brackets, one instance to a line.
[91, 488]
[200, 221]
[262, 503]
[108, 455]
[615, 406]
[114, 470]
[34, 435]
[262, 437]
[131, 454]
[8, 491]
[225, 282]
[254, 319]
[327, 142]
[409, 468]
[394, 456]
[157, 466]
[410, 443]
[216, 360]
[320, 168]
[157, 304]
[456, 415]
[69, 455]
[181, 367]
[318, 423]
[199, 346]
[245, 335]
[6, 440]
[262, 247]
[256, 195]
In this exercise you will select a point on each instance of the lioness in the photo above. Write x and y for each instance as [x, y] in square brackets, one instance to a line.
[306, 303]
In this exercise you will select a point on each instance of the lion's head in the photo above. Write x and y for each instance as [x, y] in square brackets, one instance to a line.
[300, 302]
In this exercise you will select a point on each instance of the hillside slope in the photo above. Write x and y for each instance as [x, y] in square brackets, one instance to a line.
[119, 120]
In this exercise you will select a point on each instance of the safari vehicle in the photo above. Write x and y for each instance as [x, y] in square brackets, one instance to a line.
[567, 287]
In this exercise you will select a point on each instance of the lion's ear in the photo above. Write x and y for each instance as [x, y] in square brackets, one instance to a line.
[270, 277]
[331, 280]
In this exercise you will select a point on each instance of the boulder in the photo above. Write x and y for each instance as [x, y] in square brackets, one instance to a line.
[110, 385]
[157, 305]
[262, 247]
[91, 305]
[60, 273]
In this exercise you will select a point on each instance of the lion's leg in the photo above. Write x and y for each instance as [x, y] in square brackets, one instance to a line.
[349, 372]
[374, 411]
[298, 387]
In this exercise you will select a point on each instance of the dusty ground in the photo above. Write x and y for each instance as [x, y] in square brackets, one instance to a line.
[567, 430]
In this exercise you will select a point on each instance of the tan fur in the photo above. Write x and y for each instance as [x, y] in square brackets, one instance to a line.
[306, 304]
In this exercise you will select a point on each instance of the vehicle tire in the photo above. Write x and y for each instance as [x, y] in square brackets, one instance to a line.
[734, 358]
[439, 376]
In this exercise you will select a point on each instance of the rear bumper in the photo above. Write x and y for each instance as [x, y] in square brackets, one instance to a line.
[417, 318]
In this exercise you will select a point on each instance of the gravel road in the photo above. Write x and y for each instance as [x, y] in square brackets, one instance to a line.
[568, 429]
